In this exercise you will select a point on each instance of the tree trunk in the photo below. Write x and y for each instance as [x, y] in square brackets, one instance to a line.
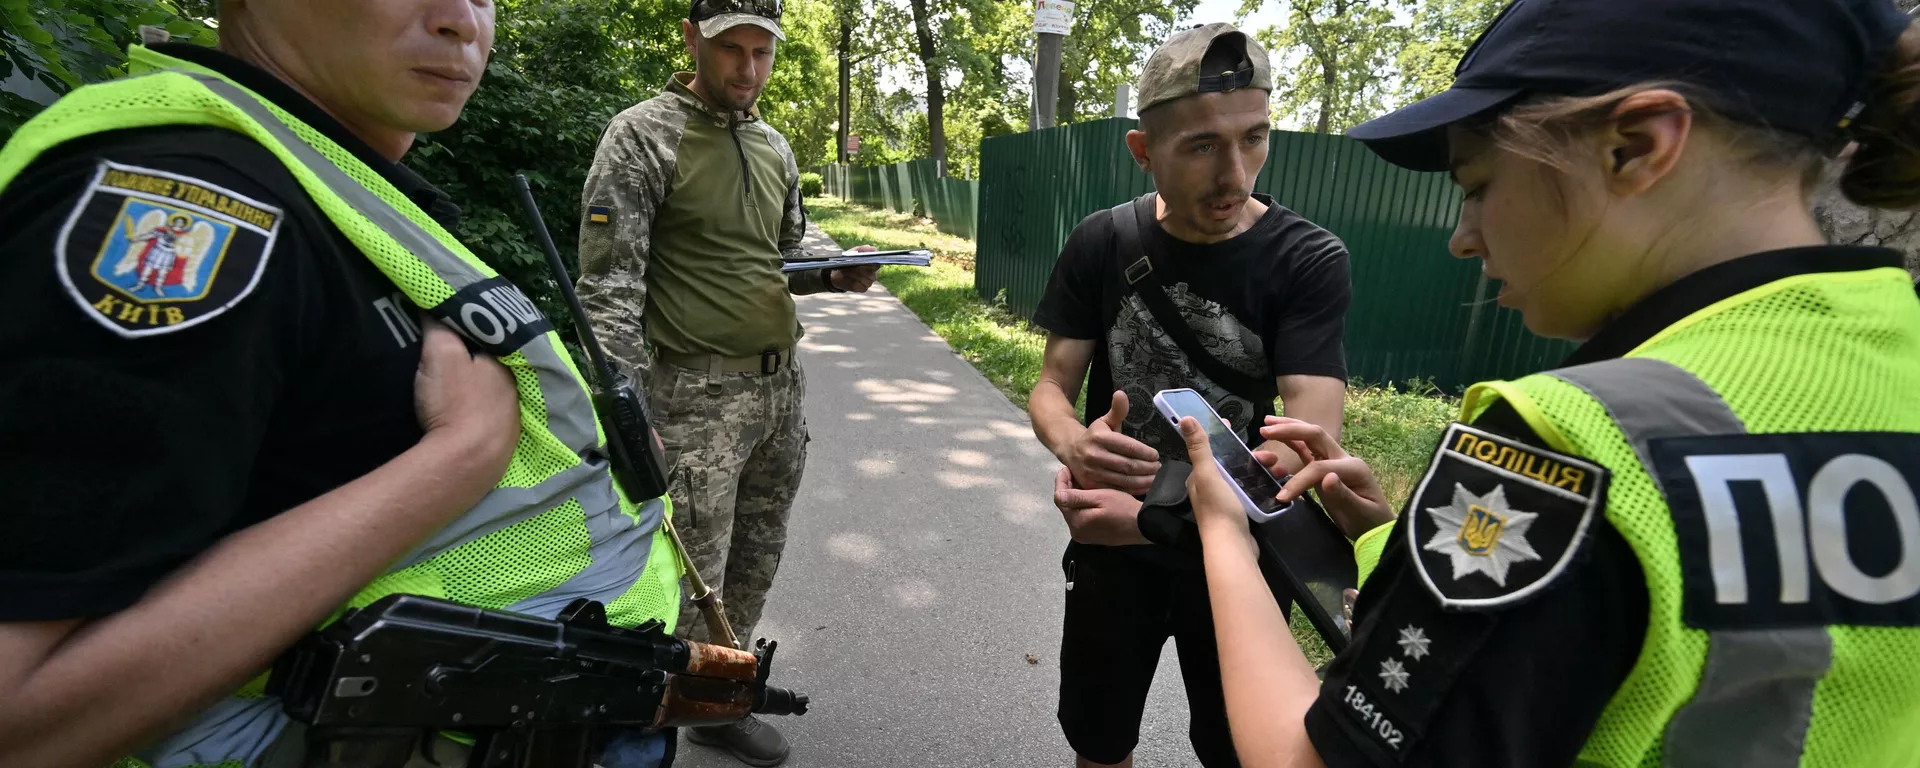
[1329, 70]
[1069, 106]
[1046, 80]
[1329, 79]
[846, 87]
[936, 88]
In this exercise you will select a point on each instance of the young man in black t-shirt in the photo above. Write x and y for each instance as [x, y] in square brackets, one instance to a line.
[1263, 290]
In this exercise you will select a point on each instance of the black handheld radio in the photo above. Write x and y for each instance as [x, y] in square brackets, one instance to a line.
[639, 465]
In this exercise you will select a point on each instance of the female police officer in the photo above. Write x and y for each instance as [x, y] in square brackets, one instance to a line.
[1698, 543]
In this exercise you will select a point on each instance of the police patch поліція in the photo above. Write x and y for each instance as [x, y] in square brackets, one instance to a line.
[147, 252]
[1495, 520]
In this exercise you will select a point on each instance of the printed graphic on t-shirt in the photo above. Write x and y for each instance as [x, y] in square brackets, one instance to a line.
[1145, 360]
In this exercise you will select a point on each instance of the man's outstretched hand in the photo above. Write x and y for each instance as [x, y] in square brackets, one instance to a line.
[1102, 457]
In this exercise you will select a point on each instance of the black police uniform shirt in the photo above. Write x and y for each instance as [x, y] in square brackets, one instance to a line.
[173, 375]
[1271, 301]
[1520, 684]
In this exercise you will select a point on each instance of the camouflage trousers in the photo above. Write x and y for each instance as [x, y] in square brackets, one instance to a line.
[736, 446]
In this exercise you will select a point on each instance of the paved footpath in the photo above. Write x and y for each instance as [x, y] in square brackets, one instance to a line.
[922, 580]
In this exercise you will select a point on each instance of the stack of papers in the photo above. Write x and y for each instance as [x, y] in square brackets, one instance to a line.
[912, 258]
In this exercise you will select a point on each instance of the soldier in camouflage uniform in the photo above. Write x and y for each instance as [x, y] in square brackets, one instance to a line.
[690, 207]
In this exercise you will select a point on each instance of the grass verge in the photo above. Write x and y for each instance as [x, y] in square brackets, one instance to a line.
[1394, 427]
[852, 224]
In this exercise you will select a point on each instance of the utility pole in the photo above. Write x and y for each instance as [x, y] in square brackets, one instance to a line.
[1046, 80]
[1052, 20]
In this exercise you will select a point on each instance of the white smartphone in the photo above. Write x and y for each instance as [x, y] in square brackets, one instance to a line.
[1304, 557]
[1251, 481]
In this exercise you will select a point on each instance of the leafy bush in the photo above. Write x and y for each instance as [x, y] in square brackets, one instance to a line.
[515, 125]
[50, 47]
[556, 79]
[811, 185]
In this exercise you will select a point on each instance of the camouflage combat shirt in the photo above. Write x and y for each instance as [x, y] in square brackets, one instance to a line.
[686, 217]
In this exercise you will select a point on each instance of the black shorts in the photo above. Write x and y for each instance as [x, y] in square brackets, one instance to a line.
[1121, 609]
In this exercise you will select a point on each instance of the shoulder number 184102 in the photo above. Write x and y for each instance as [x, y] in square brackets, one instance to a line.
[1374, 719]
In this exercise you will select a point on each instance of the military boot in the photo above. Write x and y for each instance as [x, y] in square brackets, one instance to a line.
[751, 741]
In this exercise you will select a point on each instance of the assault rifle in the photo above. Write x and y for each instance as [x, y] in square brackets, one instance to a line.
[533, 693]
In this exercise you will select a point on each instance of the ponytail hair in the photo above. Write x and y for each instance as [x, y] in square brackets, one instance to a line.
[1884, 171]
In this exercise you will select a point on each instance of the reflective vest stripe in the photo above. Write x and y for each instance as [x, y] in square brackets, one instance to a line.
[617, 554]
[1754, 700]
[569, 413]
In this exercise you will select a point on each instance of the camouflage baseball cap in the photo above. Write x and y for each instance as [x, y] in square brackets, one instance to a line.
[717, 16]
[1174, 69]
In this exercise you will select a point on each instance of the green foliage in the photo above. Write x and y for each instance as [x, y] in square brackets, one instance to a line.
[976, 40]
[978, 44]
[1337, 57]
[559, 73]
[620, 47]
[1111, 40]
[892, 127]
[50, 47]
[812, 185]
[1440, 34]
[800, 97]
[1339, 63]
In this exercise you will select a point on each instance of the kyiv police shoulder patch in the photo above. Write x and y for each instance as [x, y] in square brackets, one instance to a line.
[1496, 520]
[147, 252]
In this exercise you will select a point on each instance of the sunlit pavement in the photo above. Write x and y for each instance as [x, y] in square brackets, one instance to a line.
[922, 568]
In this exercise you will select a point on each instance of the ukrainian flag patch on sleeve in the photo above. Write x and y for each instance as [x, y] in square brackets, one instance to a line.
[148, 252]
[599, 214]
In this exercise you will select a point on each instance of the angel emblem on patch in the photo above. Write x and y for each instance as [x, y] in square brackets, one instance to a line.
[146, 252]
[165, 254]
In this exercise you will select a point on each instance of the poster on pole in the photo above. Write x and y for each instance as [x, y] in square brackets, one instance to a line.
[1052, 17]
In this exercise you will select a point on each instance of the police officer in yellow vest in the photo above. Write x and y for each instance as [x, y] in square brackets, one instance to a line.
[232, 404]
[1697, 543]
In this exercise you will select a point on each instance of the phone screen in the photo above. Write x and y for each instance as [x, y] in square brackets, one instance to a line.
[1233, 455]
[1303, 555]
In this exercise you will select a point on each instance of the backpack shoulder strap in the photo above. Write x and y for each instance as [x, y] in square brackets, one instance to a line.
[1136, 268]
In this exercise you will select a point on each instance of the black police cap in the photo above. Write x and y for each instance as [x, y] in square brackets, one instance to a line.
[1801, 66]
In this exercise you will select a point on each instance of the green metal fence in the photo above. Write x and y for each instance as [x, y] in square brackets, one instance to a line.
[1416, 313]
[910, 187]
